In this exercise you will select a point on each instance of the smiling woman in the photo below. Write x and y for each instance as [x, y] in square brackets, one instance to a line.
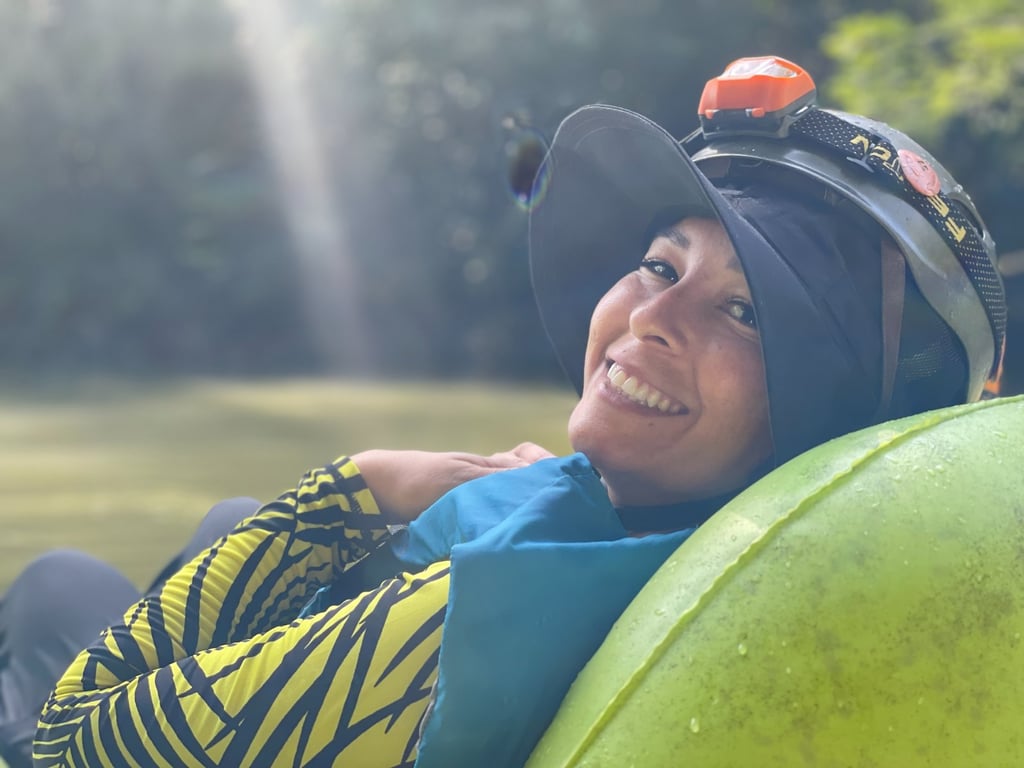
[674, 406]
[722, 304]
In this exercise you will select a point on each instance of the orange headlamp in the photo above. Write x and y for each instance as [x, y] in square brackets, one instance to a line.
[761, 94]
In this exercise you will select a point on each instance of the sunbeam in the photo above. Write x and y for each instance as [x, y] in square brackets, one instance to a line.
[331, 299]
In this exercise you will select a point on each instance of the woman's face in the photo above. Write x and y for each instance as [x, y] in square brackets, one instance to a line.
[674, 406]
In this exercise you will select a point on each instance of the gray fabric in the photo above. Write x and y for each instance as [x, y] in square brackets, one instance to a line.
[59, 605]
[55, 607]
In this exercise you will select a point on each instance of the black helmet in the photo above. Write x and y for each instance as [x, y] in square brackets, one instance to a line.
[611, 173]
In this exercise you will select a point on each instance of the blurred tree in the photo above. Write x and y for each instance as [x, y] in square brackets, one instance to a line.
[431, 99]
[144, 224]
[140, 230]
[949, 62]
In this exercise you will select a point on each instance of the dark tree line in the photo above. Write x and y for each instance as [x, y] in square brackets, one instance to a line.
[189, 186]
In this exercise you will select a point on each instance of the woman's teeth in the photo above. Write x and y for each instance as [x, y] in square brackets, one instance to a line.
[640, 391]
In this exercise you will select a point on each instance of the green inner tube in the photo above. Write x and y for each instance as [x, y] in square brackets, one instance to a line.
[863, 605]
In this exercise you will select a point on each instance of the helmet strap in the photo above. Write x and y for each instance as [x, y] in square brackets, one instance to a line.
[894, 278]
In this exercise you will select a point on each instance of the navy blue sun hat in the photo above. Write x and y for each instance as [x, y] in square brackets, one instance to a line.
[612, 174]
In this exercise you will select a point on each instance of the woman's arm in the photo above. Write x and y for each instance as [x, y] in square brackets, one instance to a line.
[350, 684]
[202, 673]
[205, 663]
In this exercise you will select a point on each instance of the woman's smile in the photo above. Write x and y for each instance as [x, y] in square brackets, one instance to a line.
[640, 392]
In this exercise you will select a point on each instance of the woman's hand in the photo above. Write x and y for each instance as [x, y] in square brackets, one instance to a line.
[404, 483]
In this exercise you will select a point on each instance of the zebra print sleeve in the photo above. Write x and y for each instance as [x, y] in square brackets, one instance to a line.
[210, 672]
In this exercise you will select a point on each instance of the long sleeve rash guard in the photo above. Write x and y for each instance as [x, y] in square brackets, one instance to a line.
[215, 670]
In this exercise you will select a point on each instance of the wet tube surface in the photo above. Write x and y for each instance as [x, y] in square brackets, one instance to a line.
[863, 605]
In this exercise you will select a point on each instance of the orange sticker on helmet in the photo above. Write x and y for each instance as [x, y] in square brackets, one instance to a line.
[919, 173]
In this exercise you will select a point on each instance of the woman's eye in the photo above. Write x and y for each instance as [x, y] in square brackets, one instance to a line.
[742, 311]
[660, 268]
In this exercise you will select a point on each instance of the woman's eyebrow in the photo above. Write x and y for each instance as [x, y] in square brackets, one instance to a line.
[675, 236]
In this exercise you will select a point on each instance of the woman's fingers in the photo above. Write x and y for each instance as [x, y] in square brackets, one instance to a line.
[531, 452]
[522, 455]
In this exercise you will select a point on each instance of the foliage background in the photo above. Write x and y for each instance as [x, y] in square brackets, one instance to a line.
[272, 187]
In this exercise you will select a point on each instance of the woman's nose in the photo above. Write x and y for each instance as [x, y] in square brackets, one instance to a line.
[660, 318]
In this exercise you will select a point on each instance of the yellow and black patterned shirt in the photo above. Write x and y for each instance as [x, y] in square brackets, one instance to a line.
[215, 670]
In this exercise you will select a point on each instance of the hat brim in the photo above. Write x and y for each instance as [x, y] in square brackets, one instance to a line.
[609, 175]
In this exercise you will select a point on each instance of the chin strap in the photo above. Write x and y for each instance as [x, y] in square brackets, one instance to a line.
[894, 277]
[993, 387]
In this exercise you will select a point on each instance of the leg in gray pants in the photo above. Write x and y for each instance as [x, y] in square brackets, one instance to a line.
[59, 605]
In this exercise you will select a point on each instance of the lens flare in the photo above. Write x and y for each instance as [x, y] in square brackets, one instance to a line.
[525, 150]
